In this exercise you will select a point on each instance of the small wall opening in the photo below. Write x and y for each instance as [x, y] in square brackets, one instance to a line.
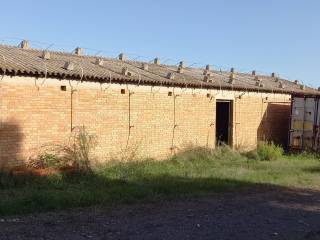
[223, 122]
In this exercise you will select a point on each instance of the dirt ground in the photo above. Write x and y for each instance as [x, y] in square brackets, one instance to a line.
[264, 214]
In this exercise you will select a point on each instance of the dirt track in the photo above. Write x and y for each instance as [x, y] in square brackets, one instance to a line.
[270, 214]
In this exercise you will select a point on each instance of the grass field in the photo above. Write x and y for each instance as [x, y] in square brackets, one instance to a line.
[191, 173]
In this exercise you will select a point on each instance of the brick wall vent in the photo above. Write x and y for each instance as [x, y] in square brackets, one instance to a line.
[156, 61]
[126, 72]
[257, 79]
[281, 85]
[99, 61]
[231, 78]
[145, 66]
[207, 72]
[69, 66]
[46, 55]
[180, 69]
[122, 57]
[24, 44]
[79, 51]
[170, 76]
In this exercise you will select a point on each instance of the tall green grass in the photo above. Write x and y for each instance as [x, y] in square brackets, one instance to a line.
[193, 172]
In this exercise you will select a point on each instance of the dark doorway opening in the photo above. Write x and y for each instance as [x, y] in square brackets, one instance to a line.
[223, 122]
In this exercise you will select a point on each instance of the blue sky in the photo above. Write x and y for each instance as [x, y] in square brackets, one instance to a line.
[281, 36]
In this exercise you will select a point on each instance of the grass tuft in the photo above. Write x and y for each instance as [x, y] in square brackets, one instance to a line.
[266, 152]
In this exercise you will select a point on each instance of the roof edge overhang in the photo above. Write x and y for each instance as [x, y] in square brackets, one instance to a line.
[201, 85]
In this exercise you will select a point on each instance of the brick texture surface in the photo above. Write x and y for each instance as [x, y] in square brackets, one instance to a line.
[154, 124]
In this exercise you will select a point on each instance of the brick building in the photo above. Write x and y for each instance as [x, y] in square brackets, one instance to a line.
[154, 108]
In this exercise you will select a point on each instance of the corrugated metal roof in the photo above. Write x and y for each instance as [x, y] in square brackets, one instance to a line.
[19, 61]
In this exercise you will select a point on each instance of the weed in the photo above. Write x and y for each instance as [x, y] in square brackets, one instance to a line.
[49, 160]
[82, 144]
[77, 153]
[266, 152]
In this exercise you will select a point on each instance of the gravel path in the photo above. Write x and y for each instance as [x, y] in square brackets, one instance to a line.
[269, 214]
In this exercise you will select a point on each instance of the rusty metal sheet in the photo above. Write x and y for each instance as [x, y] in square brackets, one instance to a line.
[303, 122]
[298, 125]
[310, 110]
[308, 126]
[297, 114]
[296, 140]
[308, 138]
[303, 126]
[317, 128]
[298, 109]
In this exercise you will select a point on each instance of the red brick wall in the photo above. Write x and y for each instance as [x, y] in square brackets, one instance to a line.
[33, 115]
[261, 118]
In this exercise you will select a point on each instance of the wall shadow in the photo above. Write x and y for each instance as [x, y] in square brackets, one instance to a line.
[315, 170]
[76, 189]
[41, 194]
[10, 144]
[275, 124]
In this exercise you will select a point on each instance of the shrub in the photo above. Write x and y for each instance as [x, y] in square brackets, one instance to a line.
[128, 154]
[225, 152]
[269, 151]
[46, 156]
[82, 143]
[252, 155]
[193, 153]
[74, 154]
[49, 160]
